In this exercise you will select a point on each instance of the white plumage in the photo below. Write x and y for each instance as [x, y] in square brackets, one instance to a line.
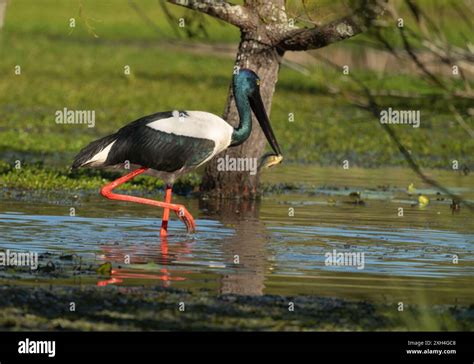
[197, 124]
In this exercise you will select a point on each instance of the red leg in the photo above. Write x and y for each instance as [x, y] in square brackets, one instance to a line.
[180, 210]
[166, 211]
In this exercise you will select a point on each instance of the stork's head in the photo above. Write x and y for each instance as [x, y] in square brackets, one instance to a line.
[248, 82]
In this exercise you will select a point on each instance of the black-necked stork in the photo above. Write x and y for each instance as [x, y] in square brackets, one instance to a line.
[169, 144]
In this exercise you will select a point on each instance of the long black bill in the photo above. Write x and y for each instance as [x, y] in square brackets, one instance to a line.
[256, 104]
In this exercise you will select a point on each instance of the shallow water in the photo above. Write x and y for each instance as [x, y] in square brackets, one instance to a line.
[404, 258]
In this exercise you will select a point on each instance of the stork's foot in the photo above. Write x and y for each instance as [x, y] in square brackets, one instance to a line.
[184, 215]
[180, 210]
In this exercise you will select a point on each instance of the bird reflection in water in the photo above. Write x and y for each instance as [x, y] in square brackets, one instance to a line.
[143, 254]
[249, 242]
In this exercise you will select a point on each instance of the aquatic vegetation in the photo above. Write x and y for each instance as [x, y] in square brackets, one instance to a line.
[423, 200]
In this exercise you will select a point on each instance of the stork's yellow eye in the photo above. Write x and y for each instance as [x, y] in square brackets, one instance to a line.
[258, 82]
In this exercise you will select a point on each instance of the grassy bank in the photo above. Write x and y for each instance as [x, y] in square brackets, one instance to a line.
[38, 177]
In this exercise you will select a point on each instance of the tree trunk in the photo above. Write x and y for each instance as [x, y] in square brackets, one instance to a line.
[256, 52]
[265, 35]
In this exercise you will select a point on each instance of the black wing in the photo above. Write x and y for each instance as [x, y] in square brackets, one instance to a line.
[139, 144]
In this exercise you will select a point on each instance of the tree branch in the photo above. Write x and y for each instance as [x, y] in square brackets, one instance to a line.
[340, 29]
[233, 14]
[372, 106]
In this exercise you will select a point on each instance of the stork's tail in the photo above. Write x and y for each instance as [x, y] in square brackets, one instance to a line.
[94, 154]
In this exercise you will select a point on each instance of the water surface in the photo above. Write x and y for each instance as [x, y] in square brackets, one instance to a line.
[275, 246]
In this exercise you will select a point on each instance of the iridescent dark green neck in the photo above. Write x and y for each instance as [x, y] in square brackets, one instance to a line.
[242, 132]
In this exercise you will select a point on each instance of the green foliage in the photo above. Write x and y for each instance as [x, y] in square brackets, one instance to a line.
[107, 19]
